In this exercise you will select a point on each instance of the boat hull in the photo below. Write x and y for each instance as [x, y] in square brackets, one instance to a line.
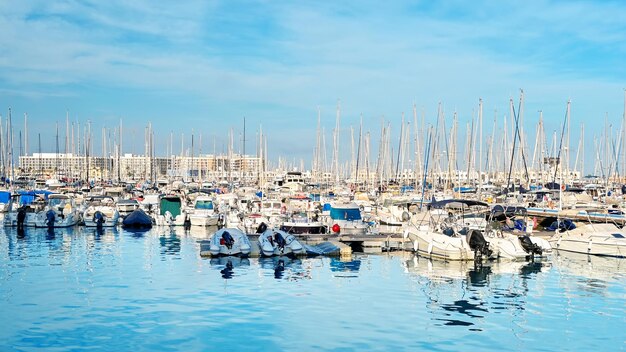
[593, 239]
[430, 244]
[269, 245]
[241, 245]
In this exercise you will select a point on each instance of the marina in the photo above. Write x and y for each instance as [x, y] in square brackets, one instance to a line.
[206, 247]
[312, 176]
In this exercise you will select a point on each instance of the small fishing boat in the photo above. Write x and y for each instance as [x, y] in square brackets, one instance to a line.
[229, 241]
[137, 219]
[278, 242]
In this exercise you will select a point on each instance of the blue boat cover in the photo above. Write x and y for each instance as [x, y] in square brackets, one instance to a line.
[345, 214]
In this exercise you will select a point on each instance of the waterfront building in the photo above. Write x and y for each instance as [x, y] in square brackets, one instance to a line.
[136, 167]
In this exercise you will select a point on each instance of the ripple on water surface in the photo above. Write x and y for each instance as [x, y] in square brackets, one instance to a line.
[80, 288]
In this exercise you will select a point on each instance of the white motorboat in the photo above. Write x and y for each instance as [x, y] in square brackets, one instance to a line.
[203, 212]
[604, 239]
[345, 218]
[278, 242]
[301, 223]
[22, 215]
[229, 241]
[126, 206]
[251, 222]
[512, 221]
[171, 211]
[60, 212]
[437, 236]
[100, 212]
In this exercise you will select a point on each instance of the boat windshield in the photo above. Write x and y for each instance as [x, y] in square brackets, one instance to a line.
[272, 205]
[55, 202]
[204, 204]
[345, 214]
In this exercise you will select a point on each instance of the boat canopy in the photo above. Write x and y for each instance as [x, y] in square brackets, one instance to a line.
[28, 197]
[5, 196]
[457, 203]
[464, 189]
[204, 204]
[508, 211]
[345, 214]
[171, 204]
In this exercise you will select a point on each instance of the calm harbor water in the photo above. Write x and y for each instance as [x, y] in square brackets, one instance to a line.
[81, 289]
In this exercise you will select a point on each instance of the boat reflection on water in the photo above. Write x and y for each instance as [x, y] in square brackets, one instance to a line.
[102, 234]
[199, 232]
[170, 243]
[137, 232]
[583, 274]
[460, 293]
[285, 267]
[345, 267]
[227, 265]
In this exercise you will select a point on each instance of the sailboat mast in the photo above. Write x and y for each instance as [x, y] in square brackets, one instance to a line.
[480, 148]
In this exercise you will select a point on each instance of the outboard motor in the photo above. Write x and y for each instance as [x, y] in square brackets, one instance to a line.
[169, 219]
[261, 228]
[279, 269]
[448, 231]
[227, 272]
[220, 221]
[50, 216]
[21, 217]
[227, 240]
[567, 225]
[187, 223]
[280, 241]
[478, 244]
[529, 246]
[98, 218]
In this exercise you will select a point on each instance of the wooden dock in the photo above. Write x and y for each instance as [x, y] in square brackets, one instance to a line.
[333, 244]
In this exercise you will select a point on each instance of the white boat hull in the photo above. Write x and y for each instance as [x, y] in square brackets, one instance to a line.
[593, 239]
[110, 216]
[162, 220]
[59, 220]
[203, 220]
[270, 247]
[430, 244]
[241, 245]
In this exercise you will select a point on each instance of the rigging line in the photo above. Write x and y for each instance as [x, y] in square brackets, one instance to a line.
[508, 180]
[558, 157]
[519, 136]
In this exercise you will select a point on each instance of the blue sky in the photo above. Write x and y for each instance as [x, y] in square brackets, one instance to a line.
[204, 65]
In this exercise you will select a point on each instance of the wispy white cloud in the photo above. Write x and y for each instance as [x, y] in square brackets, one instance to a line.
[278, 61]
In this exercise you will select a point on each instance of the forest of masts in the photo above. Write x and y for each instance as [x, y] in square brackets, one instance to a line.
[440, 153]
[444, 155]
